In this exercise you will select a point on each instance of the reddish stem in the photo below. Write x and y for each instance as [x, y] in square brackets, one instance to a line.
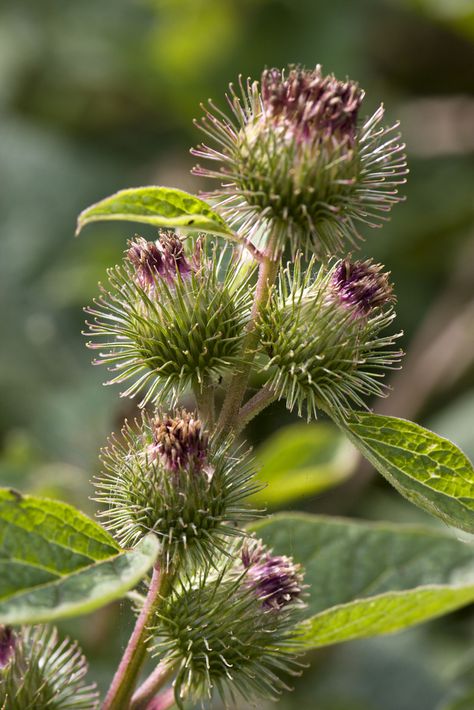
[126, 676]
[163, 701]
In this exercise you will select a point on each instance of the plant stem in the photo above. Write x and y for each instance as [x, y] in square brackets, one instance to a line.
[235, 394]
[163, 701]
[205, 402]
[152, 685]
[254, 406]
[125, 678]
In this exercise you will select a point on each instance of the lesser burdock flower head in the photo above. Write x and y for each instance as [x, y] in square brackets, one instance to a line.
[324, 335]
[43, 672]
[180, 442]
[276, 579]
[164, 474]
[361, 285]
[161, 259]
[248, 638]
[298, 164]
[311, 105]
[170, 320]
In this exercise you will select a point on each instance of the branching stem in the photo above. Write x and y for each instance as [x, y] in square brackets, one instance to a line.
[164, 701]
[205, 403]
[125, 678]
[230, 409]
[150, 687]
[254, 406]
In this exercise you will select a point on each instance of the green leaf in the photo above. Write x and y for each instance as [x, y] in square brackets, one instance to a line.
[159, 206]
[57, 562]
[367, 579]
[425, 468]
[301, 460]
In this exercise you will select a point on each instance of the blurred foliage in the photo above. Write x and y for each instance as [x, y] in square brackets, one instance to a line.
[301, 460]
[99, 96]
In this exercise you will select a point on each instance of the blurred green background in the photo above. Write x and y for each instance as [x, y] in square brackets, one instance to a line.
[96, 96]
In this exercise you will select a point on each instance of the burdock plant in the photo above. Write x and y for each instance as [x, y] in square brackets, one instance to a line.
[259, 288]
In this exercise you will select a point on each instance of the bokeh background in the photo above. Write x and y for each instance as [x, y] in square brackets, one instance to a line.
[96, 96]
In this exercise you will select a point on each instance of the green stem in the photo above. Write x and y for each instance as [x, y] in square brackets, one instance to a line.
[125, 678]
[238, 384]
[150, 687]
[254, 406]
[205, 403]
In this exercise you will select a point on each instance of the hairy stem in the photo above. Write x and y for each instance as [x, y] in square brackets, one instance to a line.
[150, 687]
[164, 701]
[125, 678]
[254, 406]
[205, 402]
[238, 384]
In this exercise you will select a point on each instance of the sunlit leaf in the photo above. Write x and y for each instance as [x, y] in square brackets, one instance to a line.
[57, 562]
[425, 468]
[158, 206]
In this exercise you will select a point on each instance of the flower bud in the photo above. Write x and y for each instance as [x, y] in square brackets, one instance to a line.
[322, 335]
[180, 443]
[248, 637]
[298, 165]
[162, 259]
[361, 285]
[275, 579]
[165, 475]
[168, 323]
[44, 673]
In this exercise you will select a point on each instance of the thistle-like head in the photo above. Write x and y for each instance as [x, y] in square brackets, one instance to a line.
[276, 579]
[164, 258]
[165, 474]
[323, 334]
[43, 672]
[297, 165]
[248, 639]
[171, 319]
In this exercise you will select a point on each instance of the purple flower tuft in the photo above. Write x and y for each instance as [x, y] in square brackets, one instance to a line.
[180, 443]
[362, 285]
[313, 106]
[276, 579]
[7, 645]
[164, 258]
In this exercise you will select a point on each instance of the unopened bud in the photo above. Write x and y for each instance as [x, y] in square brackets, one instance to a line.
[276, 579]
[362, 285]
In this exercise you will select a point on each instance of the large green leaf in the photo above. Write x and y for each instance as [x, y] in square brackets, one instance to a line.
[57, 562]
[367, 579]
[301, 460]
[159, 206]
[425, 468]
